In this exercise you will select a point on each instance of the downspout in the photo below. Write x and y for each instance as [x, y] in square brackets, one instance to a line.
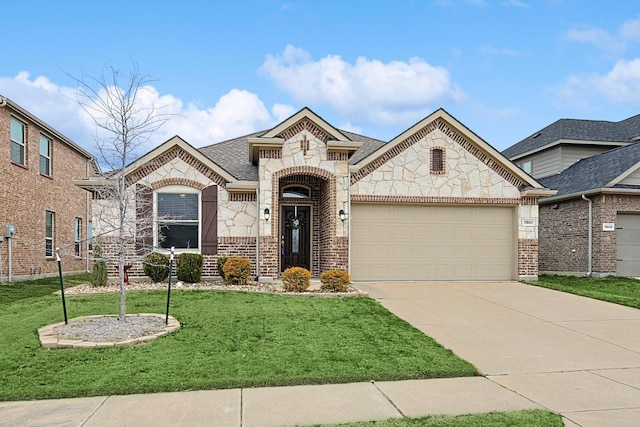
[88, 217]
[258, 236]
[590, 243]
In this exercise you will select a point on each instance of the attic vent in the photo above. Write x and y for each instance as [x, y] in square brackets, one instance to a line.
[536, 135]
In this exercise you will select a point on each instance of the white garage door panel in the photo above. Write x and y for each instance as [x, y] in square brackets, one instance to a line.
[407, 242]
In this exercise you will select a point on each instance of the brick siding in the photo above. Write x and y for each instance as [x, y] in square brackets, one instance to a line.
[27, 195]
[564, 234]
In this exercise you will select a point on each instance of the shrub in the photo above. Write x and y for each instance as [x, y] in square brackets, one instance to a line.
[296, 279]
[189, 267]
[335, 281]
[237, 271]
[220, 264]
[156, 266]
[99, 273]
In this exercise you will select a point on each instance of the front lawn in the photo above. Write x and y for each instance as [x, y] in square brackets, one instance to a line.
[531, 418]
[619, 290]
[33, 288]
[227, 340]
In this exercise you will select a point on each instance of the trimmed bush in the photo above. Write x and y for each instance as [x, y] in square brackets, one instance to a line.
[189, 267]
[296, 279]
[99, 273]
[237, 271]
[156, 266]
[335, 281]
[220, 264]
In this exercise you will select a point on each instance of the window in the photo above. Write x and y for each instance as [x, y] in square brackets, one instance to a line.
[17, 141]
[526, 166]
[296, 192]
[178, 220]
[78, 236]
[49, 229]
[45, 155]
[437, 160]
[90, 235]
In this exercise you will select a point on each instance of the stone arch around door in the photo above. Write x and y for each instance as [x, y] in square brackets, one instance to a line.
[327, 251]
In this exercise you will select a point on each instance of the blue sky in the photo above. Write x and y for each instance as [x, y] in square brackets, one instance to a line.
[504, 68]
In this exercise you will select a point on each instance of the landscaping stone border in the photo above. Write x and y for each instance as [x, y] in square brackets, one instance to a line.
[49, 336]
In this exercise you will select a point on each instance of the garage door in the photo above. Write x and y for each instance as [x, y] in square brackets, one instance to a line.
[628, 245]
[412, 242]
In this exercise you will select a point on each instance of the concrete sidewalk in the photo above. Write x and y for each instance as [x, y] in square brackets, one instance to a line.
[275, 406]
[573, 355]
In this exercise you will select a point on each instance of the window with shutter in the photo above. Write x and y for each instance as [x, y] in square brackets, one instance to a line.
[210, 220]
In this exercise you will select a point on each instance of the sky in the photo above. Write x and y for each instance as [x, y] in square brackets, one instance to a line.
[223, 69]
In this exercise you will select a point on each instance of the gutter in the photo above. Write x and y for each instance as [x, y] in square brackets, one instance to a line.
[590, 243]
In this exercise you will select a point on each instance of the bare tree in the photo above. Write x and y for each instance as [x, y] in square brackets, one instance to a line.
[125, 120]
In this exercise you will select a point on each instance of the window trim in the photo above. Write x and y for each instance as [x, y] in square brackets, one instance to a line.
[307, 197]
[77, 234]
[51, 238]
[442, 169]
[23, 144]
[527, 165]
[47, 157]
[176, 189]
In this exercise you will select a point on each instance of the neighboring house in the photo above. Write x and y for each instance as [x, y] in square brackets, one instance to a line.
[601, 190]
[564, 142]
[434, 203]
[37, 167]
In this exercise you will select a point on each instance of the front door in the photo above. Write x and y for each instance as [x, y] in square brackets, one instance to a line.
[295, 243]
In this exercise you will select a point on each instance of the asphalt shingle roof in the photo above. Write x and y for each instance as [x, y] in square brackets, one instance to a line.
[233, 155]
[581, 130]
[594, 172]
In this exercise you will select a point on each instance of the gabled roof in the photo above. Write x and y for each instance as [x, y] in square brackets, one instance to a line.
[4, 101]
[572, 130]
[595, 173]
[494, 156]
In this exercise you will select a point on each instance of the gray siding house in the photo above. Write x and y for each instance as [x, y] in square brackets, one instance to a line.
[591, 226]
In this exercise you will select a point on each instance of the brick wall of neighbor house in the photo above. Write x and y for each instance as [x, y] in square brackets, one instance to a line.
[605, 210]
[27, 195]
[563, 237]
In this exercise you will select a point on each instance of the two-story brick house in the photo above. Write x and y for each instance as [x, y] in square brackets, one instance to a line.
[38, 198]
[591, 226]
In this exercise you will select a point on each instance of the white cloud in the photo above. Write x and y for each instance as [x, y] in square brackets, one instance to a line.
[367, 90]
[605, 41]
[236, 113]
[595, 36]
[620, 85]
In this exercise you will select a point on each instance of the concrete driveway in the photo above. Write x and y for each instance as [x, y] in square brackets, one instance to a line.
[573, 355]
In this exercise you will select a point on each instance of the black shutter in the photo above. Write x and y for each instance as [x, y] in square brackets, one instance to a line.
[144, 218]
[210, 220]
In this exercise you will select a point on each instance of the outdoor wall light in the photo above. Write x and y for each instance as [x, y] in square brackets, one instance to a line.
[267, 214]
[342, 215]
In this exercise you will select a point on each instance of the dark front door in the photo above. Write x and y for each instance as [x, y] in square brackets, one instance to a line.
[295, 243]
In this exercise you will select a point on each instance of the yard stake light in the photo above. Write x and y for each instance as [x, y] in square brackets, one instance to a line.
[166, 318]
[64, 304]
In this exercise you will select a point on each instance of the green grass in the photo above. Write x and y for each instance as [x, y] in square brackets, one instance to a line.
[33, 288]
[536, 417]
[228, 340]
[619, 290]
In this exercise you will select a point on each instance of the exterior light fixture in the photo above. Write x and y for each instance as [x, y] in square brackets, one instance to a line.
[342, 215]
[267, 214]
